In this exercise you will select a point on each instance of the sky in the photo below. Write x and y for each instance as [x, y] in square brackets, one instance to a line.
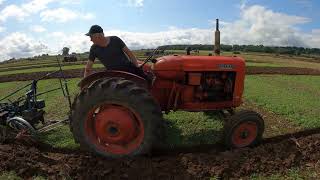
[35, 27]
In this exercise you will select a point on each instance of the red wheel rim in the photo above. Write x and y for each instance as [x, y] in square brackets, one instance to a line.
[114, 129]
[244, 134]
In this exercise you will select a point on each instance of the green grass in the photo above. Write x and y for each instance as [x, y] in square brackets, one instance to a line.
[9, 176]
[13, 176]
[56, 103]
[291, 174]
[192, 128]
[60, 137]
[295, 97]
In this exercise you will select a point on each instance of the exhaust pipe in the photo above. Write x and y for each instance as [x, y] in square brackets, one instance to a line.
[217, 39]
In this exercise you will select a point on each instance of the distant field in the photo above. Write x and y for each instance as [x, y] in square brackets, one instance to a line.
[262, 64]
[35, 64]
[44, 65]
[52, 58]
[252, 59]
[80, 66]
[283, 61]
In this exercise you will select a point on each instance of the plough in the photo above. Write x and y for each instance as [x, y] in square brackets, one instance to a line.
[25, 115]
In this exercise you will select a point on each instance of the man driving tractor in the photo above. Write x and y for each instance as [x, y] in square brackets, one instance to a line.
[112, 53]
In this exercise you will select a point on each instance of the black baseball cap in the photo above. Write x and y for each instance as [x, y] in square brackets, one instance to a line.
[94, 29]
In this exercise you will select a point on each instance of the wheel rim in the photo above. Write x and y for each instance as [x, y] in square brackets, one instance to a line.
[244, 134]
[114, 129]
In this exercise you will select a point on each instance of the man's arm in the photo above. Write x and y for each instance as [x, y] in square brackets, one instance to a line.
[88, 68]
[131, 56]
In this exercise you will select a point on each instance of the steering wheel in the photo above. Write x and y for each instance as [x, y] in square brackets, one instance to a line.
[150, 58]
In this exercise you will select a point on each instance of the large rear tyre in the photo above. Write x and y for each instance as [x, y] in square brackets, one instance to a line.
[116, 118]
[243, 129]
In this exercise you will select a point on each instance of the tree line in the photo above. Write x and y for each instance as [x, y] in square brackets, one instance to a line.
[249, 48]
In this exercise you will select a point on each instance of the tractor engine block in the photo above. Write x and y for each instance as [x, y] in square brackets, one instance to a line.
[212, 86]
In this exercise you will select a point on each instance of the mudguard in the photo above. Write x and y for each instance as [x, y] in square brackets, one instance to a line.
[111, 73]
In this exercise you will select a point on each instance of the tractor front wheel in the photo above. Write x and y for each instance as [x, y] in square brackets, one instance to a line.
[243, 129]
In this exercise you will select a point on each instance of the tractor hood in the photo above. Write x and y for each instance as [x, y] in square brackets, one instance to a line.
[199, 63]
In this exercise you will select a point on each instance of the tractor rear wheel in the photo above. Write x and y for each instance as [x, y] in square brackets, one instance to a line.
[116, 118]
[243, 129]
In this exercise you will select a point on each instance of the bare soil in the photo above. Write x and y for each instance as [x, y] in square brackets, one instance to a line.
[274, 156]
[73, 73]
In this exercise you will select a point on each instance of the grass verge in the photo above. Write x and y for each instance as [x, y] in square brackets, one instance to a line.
[295, 97]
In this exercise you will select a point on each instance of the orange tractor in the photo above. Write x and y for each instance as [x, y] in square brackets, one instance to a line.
[119, 114]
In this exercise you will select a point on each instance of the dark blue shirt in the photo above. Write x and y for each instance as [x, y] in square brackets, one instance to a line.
[111, 56]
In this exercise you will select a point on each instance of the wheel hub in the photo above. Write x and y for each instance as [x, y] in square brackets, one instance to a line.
[244, 134]
[115, 129]
[119, 123]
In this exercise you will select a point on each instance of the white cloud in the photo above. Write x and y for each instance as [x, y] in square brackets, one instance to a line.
[1, 1]
[77, 42]
[35, 6]
[20, 45]
[135, 3]
[258, 14]
[62, 15]
[87, 16]
[169, 37]
[24, 10]
[313, 39]
[65, 2]
[316, 31]
[12, 11]
[37, 28]
[259, 25]
[58, 15]
[57, 34]
[2, 29]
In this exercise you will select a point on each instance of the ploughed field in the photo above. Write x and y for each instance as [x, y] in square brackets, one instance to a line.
[278, 158]
[291, 148]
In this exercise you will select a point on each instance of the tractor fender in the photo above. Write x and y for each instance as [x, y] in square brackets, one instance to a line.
[85, 82]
